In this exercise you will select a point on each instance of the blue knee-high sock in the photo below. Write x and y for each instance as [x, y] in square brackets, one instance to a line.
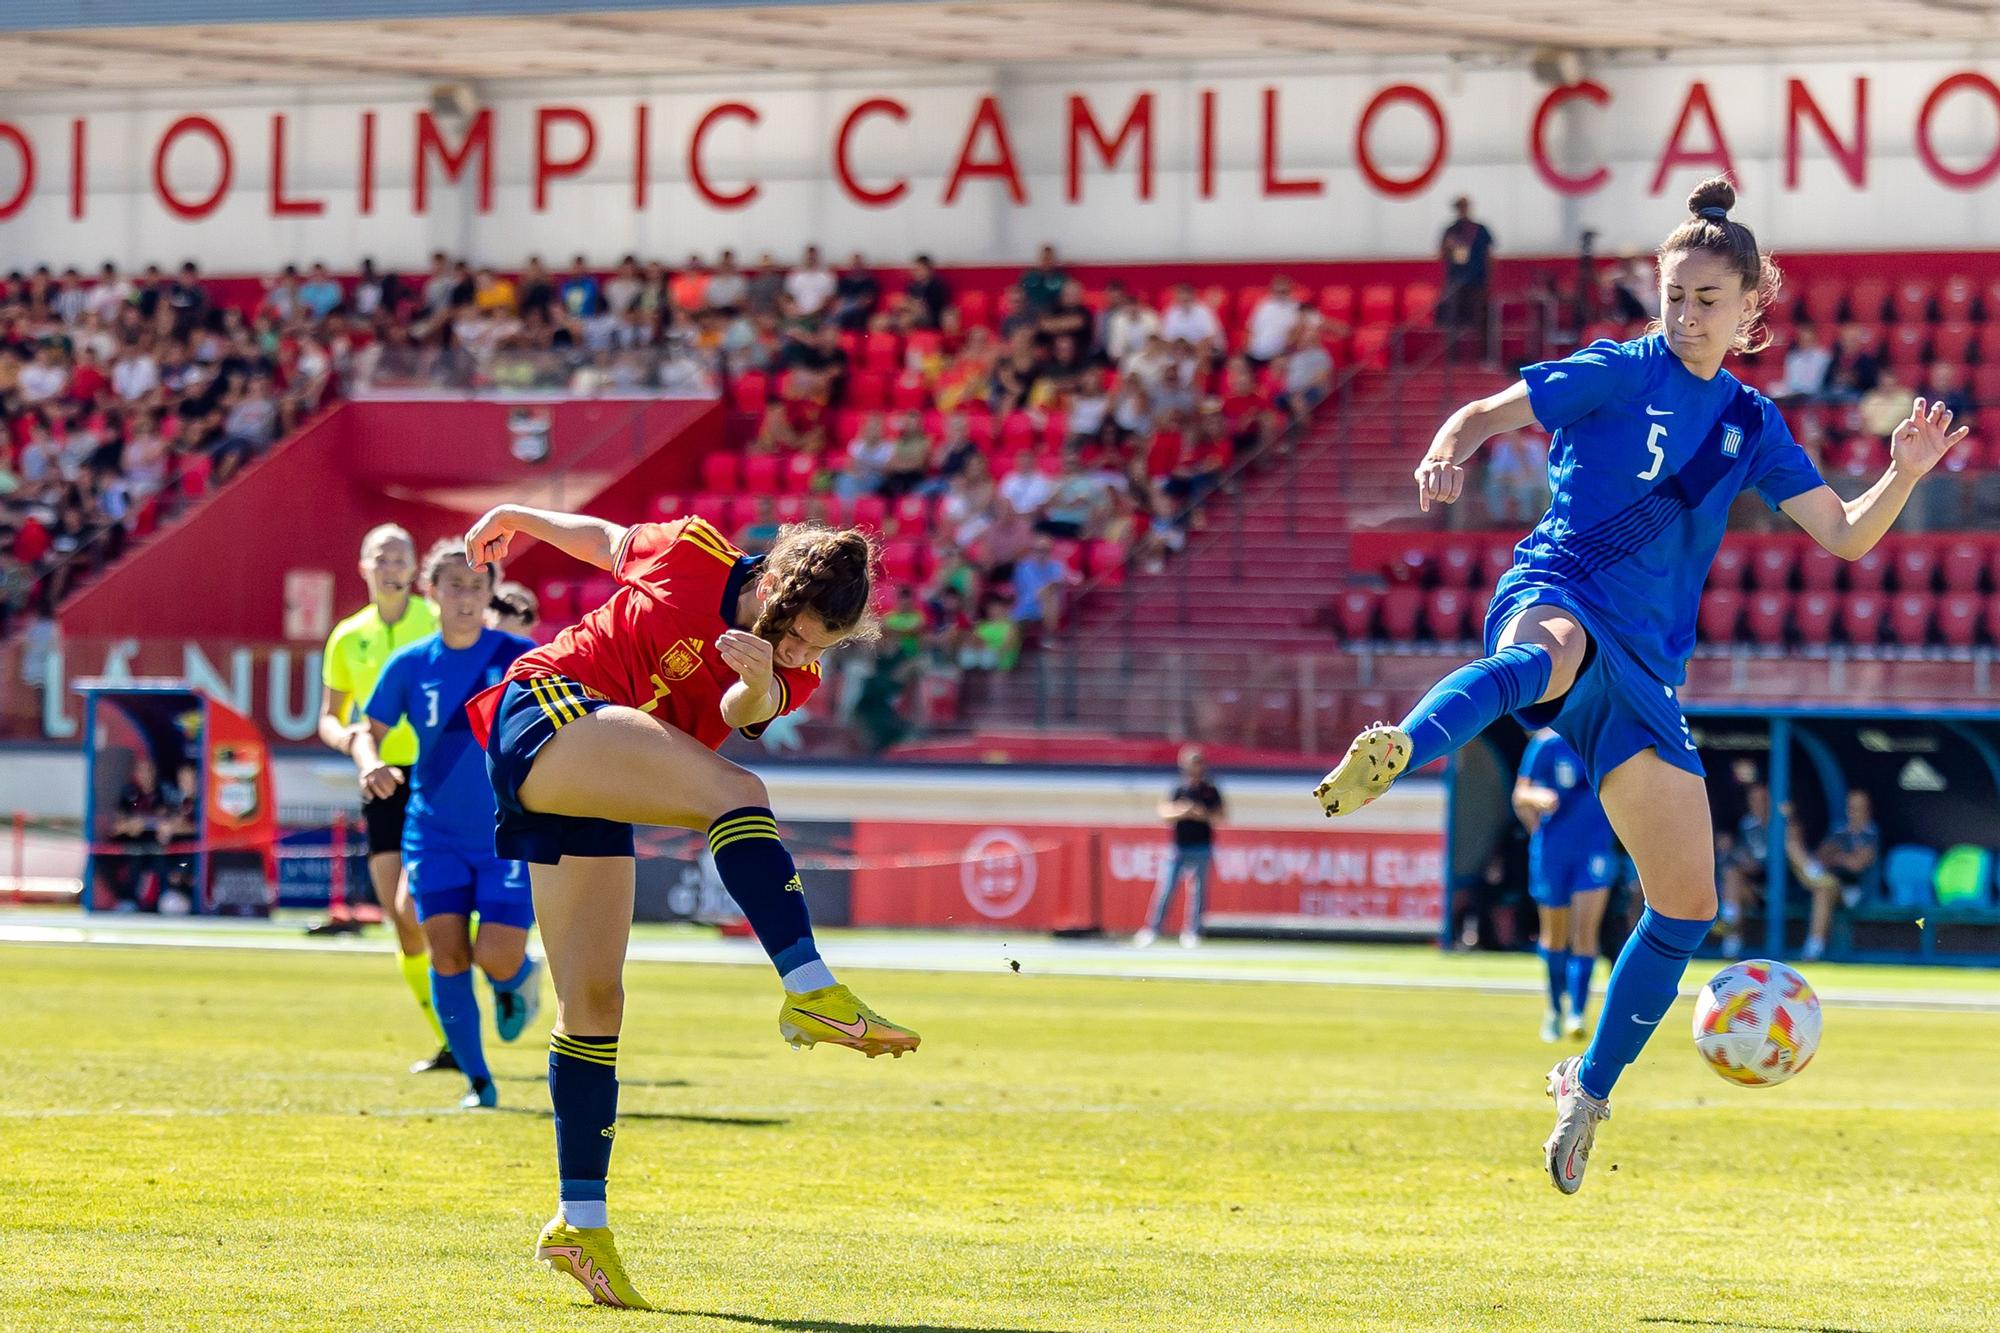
[760, 876]
[583, 1086]
[1580, 967]
[1643, 984]
[511, 984]
[457, 1006]
[1461, 705]
[1557, 963]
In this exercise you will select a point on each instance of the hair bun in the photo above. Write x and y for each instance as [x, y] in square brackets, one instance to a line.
[1715, 192]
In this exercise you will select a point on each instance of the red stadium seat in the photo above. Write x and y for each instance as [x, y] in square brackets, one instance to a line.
[666, 508]
[1336, 302]
[868, 391]
[904, 561]
[1457, 567]
[925, 344]
[1958, 298]
[909, 392]
[194, 475]
[882, 351]
[1910, 615]
[1819, 568]
[790, 508]
[1859, 456]
[1870, 573]
[1868, 299]
[1813, 615]
[1911, 302]
[800, 469]
[974, 308]
[717, 509]
[1909, 346]
[1861, 619]
[1246, 300]
[1732, 562]
[1378, 304]
[1721, 611]
[1106, 560]
[1771, 571]
[1401, 606]
[557, 598]
[1767, 618]
[1916, 565]
[1017, 432]
[1420, 304]
[1953, 341]
[594, 592]
[1986, 342]
[870, 511]
[1824, 298]
[750, 392]
[1963, 563]
[762, 474]
[1958, 619]
[1445, 614]
[913, 515]
[1986, 378]
[1371, 347]
[1496, 560]
[1354, 613]
[1993, 618]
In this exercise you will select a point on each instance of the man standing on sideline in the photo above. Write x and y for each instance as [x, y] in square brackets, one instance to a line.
[359, 647]
[1466, 249]
[1191, 812]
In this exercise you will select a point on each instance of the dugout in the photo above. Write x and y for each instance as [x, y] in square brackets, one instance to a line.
[1934, 777]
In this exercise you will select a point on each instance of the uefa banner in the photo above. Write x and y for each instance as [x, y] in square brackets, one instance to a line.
[1056, 877]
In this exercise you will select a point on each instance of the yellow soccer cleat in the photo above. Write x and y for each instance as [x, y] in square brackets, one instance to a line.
[589, 1255]
[833, 1014]
[1376, 759]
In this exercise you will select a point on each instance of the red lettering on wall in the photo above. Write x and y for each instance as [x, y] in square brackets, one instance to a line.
[366, 202]
[1138, 124]
[1273, 187]
[1853, 158]
[1558, 180]
[1674, 155]
[723, 111]
[862, 194]
[1000, 166]
[26, 152]
[78, 176]
[1206, 170]
[1957, 180]
[281, 207]
[642, 144]
[478, 139]
[553, 168]
[208, 129]
[1440, 140]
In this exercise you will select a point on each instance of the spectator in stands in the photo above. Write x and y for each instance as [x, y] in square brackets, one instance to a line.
[1466, 251]
[1633, 291]
[809, 288]
[866, 462]
[996, 638]
[1743, 866]
[1187, 319]
[927, 290]
[45, 376]
[375, 291]
[765, 288]
[1088, 408]
[909, 458]
[319, 295]
[1076, 503]
[756, 535]
[855, 295]
[438, 285]
[251, 424]
[1249, 418]
[1944, 383]
[1272, 321]
[1191, 811]
[1128, 324]
[969, 502]
[70, 298]
[728, 286]
[1883, 406]
[109, 295]
[1308, 370]
[622, 289]
[494, 292]
[1806, 366]
[1132, 409]
[1068, 316]
[1039, 579]
[1042, 286]
[137, 374]
[1016, 373]
[1837, 872]
[1016, 316]
[281, 293]
[688, 289]
[1025, 488]
[578, 292]
[1856, 369]
[1514, 485]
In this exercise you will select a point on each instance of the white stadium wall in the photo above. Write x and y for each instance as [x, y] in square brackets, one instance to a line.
[982, 166]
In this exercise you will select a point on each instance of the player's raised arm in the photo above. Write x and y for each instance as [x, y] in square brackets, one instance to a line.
[594, 541]
[1850, 528]
[1441, 475]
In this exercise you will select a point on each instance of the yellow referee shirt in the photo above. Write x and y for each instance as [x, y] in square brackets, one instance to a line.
[357, 650]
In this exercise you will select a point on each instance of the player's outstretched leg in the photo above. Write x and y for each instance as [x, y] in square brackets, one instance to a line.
[1660, 814]
[1457, 708]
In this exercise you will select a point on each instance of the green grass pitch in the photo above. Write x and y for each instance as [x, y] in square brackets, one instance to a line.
[210, 1140]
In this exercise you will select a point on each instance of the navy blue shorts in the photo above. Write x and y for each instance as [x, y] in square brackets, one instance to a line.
[1557, 874]
[529, 713]
[1616, 708]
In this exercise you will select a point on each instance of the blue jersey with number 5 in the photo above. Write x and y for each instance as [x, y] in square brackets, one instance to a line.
[1645, 462]
[429, 684]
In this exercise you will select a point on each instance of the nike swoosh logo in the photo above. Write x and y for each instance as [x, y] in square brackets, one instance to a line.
[858, 1028]
[1647, 1022]
[1652, 411]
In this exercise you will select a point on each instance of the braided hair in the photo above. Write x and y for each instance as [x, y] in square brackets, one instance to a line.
[1709, 228]
[828, 571]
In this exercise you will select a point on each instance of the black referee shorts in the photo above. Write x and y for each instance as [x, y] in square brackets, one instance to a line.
[384, 817]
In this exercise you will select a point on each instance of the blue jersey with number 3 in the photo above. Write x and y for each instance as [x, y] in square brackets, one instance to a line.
[430, 684]
[1645, 462]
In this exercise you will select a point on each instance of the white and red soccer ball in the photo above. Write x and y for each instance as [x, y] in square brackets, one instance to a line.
[1757, 1023]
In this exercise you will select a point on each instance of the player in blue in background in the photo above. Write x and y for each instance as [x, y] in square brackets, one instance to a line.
[1569, 872]
[448, 836]
[1590, 631]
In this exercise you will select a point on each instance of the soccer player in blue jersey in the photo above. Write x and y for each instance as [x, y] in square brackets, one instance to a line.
[1569, 872]
[1590, 631]
[448, 835]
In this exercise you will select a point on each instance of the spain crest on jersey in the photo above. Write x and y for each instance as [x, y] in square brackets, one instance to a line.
[1732, 440]
[682, 660]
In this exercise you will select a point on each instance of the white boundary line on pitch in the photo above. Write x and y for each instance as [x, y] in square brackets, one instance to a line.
[1038, 957]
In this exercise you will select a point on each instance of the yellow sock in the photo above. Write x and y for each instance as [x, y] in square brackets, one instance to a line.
[417, 975]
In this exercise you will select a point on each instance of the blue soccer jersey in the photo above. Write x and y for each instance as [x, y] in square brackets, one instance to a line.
[1645, 462]
[429, 684]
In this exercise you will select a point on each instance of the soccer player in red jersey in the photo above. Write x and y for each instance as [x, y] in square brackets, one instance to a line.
[616, 723]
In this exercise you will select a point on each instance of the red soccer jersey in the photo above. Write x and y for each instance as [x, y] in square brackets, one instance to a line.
[652, 645]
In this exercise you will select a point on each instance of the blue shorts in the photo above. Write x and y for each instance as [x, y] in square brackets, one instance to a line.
[1616, 708]
[452, 877]
[1558, 874]
[529, 713]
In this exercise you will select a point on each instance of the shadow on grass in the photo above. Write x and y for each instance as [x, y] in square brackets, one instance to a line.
[622, 1082]
[686, 1118]
[837, 1326]
[1750, 1324]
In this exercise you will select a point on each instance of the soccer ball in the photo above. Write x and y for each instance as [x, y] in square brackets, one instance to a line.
[1757, 1023]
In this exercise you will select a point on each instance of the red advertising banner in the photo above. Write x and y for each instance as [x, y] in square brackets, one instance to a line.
[1062, 877]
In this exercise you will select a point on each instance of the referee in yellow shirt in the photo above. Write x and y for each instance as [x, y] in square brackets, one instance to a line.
[355, 654]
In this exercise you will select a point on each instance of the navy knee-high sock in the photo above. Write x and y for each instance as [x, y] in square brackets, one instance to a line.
[760, 876]
[1461, 705]
[1556, 963]
[583, 1086]
[1643, 984]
